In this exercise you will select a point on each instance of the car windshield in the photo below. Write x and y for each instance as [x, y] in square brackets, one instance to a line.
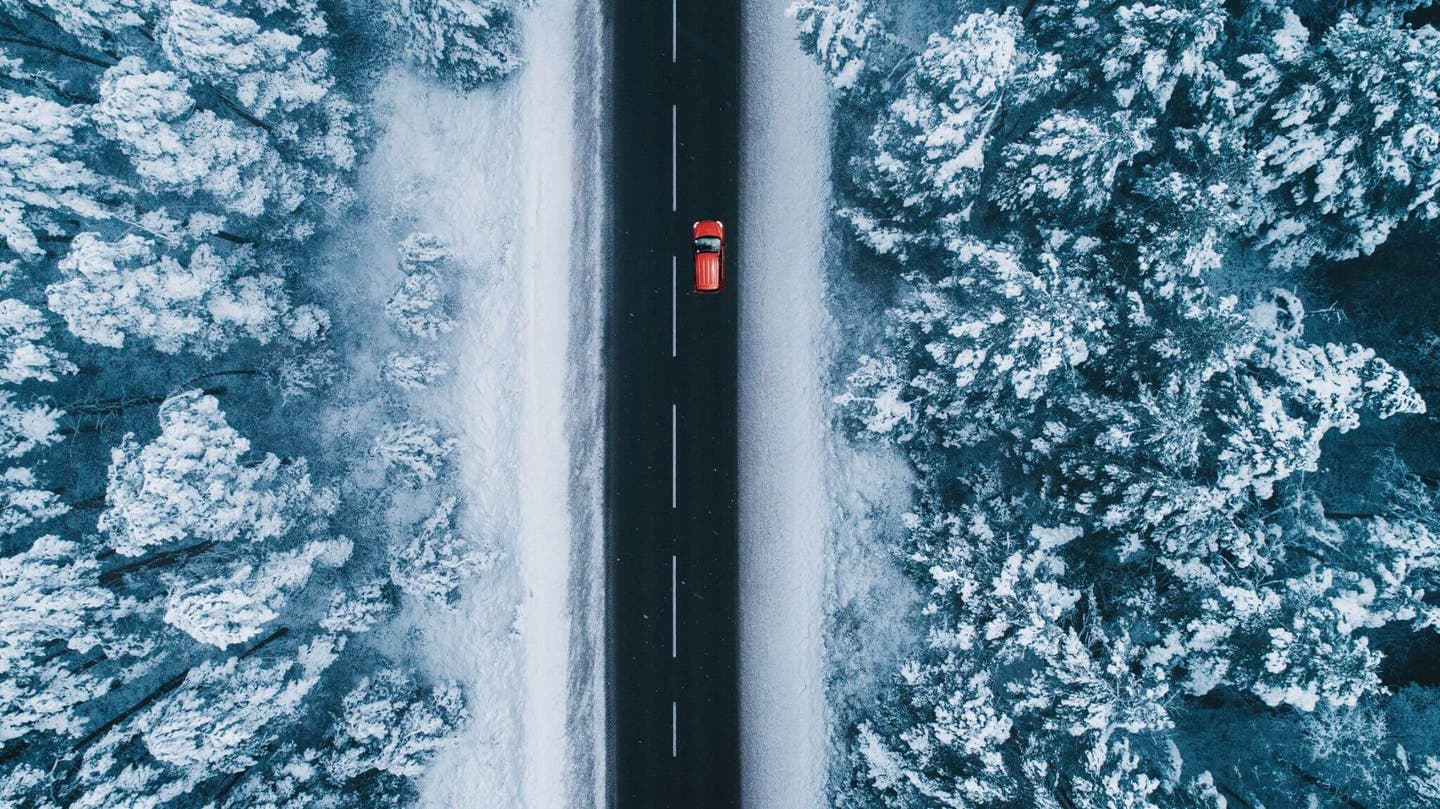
[707, 244]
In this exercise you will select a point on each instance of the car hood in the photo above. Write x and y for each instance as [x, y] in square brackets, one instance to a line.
[709, 227]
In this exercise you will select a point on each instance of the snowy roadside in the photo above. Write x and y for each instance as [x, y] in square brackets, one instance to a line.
[561, 494]
[500, 173]
[784, 504]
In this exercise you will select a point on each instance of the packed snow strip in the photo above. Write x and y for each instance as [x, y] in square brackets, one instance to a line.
[784, 506]
[491, 173]
[585, 709]
[560, 469]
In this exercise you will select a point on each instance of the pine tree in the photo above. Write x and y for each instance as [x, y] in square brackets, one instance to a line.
[1136, 53]
[391, 724]
[196, 482]
[25, 352]
[54, 612]
[846, 38]
[222, 716]
[931, 146]
[1346, 134]
[463, 42]
[437, 559]
[413, 452]
[1064, 171]
[126, 288]
[234, 603]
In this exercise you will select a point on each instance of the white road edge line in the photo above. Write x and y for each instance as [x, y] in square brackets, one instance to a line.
[674, 605]
[674, 734]
[674, 311]
[674, 418]
[674, 158]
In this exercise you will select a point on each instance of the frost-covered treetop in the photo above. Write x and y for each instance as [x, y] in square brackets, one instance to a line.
[930, 147]
[40, 179]
[115, 289]
[1347, 133]
[463, 42]
[25, 349]
[196, 481]
[844, 37]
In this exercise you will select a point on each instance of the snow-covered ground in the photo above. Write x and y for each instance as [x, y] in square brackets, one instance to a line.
[784, 505]
[499, 173]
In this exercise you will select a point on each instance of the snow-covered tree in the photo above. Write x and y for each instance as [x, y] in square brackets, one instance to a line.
[298, 780]
[198, 482]
[1346, 133]
[52, 608]
[216, 721]
[307, 323]
[1138, 52]
[1113, 427]
[23, 503]
[415, 452]
[954, 753]
[25, 352]
[930, 147]
[463, 42]
[230, 106]
[391, 724]
[418, 307]
[846, 38]
[412, 372]
[234, 604]
[424, 250]
[41, 181]
[1065, 170]
[94, 22]
[304, 372]
[358, 608]
[968, 354]
[151, 116]
[125, 288]
[437, 559]
[161, 163]
[25, 427]
[269, 70]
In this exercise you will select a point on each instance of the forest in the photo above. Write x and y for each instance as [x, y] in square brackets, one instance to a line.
[207, 511]
[1159, 295]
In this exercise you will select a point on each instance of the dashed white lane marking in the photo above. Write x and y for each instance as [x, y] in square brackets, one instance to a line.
[674, 311]
[674, 606]
[674, 27]
[674, 418]
[674, 159]
[674, 733]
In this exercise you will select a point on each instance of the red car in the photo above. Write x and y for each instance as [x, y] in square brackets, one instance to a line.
[709, 235]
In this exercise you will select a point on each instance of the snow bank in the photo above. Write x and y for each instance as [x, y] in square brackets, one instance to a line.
[497, 173]
[784, 506]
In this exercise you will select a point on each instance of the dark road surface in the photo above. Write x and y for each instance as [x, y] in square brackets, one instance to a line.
[671, 359]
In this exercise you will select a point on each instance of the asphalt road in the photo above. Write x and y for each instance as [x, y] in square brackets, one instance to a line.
[671, 448]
